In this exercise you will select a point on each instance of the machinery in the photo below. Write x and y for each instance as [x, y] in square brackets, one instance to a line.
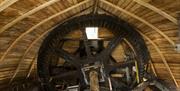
[92, 67]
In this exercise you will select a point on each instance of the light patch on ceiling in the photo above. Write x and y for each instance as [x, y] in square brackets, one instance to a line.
[177, 48]
[92, 32]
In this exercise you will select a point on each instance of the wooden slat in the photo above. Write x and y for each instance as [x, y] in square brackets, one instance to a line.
[159, 11]
[31, 67]
[162, 57]
[153, 68]
[140, 19]
[39, 24]
[34, 27]
[25, 53]
[29, 48]
[27, 14]
[5, 4]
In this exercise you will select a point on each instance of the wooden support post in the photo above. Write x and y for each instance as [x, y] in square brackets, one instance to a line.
[94, 82]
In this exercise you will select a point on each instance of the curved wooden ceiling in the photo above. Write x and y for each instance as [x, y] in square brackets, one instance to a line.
[24, 24]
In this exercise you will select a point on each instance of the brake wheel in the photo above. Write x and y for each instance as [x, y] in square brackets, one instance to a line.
[84, 66]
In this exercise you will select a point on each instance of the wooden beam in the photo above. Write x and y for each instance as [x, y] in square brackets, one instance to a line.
[140, 19]
[34, 27]
[153, 68]
[96, 2]
[6, 3]
[39, 24]
[159, 11]
[48, 3]
[29, 48]
[25, 53]
[162, 57]
[31, 67]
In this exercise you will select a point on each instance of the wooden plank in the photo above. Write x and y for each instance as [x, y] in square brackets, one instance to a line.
[5, 4]
[153, 68]
[31, 67]
[140, 19]
[34, 27]
[27, 14]
[29, 48]
[39, 24]
[162, 57]
[159, 11]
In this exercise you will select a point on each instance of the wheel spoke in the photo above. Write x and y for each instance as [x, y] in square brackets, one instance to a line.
[113, 60]
[117, 84]
[67, 56]
[141, 86]
[76, 52]
[111, 67]
[113, 44]
[106, 53]
[66, 75]
[160, 86]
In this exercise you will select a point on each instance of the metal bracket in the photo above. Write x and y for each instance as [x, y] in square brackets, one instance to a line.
[87, 69]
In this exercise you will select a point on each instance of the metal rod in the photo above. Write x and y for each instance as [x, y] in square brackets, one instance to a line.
[127, 75]
[94, 82]
[110, 84]
[96, 2]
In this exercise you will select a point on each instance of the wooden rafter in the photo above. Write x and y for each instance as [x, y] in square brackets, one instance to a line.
[96, 2]
[6, 3]
[162, 57]
[25, 53]
[29, 48]
[153, 68]
[39, 24]
[159, 11]
[31, 67]
[140, 19]
[34, 27]
[27, 14]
